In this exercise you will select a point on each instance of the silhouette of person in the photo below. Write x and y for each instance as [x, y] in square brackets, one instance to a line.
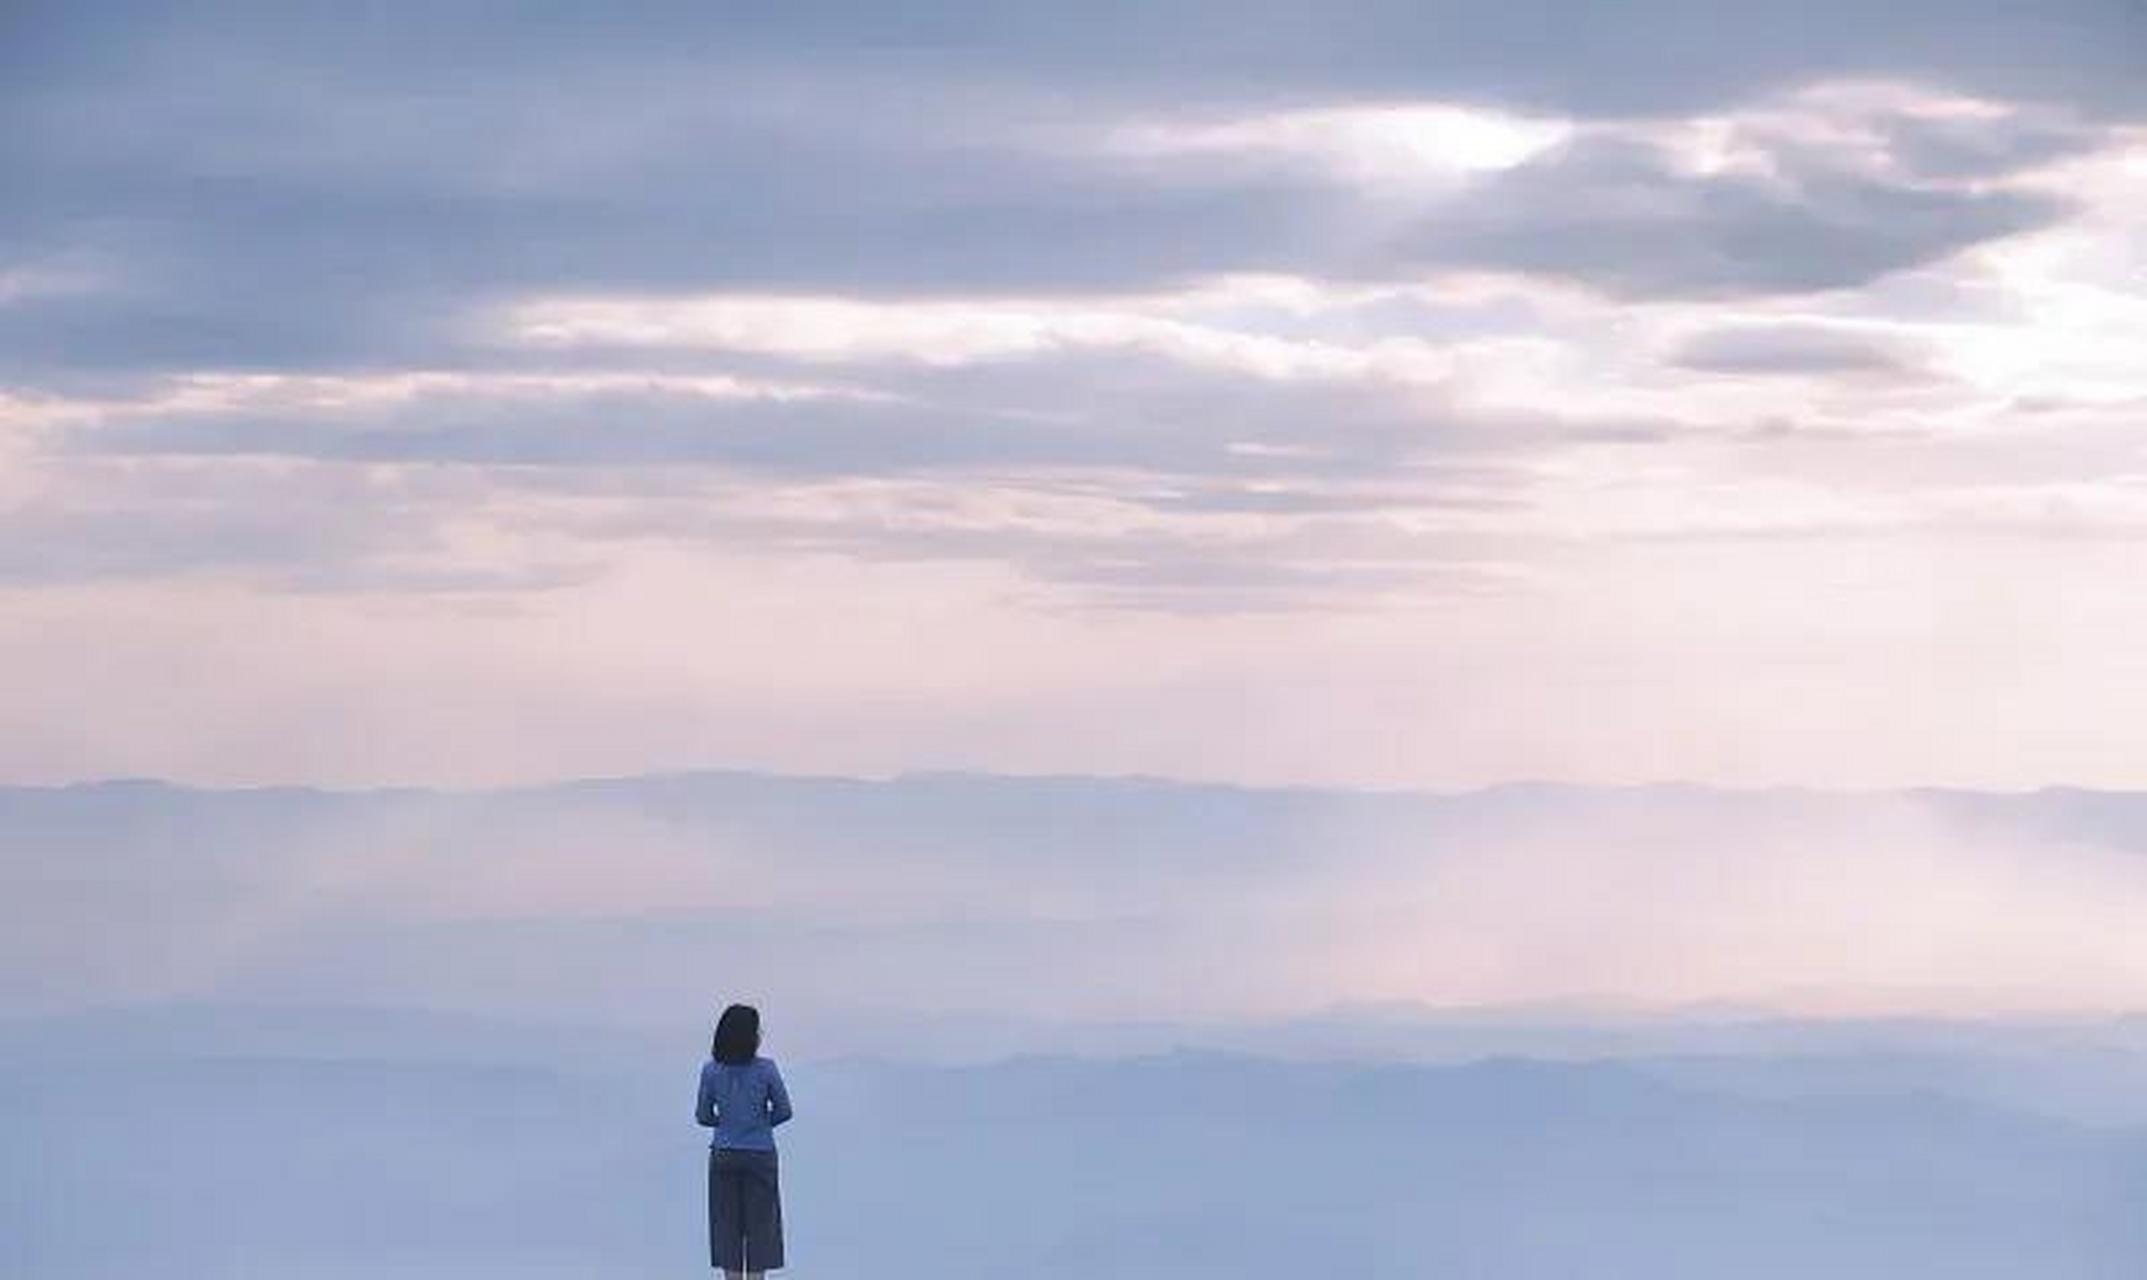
[742, 1098]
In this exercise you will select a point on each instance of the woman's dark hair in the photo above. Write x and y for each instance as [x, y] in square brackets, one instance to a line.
[737, 1034]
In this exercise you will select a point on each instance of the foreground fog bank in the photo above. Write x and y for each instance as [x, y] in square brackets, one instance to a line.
[422, 1146]
[1078, 1027]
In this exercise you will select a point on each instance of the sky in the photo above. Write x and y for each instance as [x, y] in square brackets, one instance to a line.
[1378, 395]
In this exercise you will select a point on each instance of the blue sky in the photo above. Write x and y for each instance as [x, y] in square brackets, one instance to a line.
[1384, 394]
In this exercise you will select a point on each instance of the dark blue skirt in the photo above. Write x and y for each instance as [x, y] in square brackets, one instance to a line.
[745, 1211]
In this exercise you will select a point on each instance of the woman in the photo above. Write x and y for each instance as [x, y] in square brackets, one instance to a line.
[742, 1099]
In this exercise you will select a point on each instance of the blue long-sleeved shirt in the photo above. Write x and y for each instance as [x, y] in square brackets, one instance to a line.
[742, 1102]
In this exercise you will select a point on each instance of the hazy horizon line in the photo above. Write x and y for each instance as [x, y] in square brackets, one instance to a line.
[1152, 780]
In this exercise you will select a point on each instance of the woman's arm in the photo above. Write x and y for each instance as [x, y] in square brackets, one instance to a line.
[704, 1104]
[778, 1098]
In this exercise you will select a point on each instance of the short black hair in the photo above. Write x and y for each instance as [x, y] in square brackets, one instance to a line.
[737, 1035]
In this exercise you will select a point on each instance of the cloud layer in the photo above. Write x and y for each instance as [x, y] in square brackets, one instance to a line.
[1188, 326]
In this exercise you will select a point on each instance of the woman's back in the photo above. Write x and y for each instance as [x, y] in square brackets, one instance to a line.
[743, 1102]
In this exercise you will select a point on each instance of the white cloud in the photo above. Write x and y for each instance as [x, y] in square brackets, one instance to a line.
[2080, 291]
[835, 330]
[1400, 147]
[1881, 911]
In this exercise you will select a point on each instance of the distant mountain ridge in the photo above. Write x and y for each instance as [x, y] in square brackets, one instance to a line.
[610, 893]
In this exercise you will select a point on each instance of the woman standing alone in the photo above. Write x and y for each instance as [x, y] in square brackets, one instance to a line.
[742, 1099]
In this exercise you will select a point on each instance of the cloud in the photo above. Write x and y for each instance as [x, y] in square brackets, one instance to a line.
[1108, 409]
[284, 191]
[1119, 479]
[1124, 477]
[1983, 145]
[1114, 555]
[1622, 215]
[291, 525]
[1652, 56]
[1796, 350]
[965, 313]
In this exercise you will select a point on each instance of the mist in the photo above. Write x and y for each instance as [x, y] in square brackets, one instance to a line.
[627, 901]
[1121, 1026]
